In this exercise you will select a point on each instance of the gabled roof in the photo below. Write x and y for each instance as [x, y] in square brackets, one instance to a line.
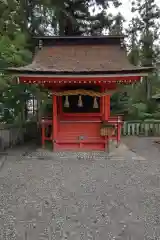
[80, 55]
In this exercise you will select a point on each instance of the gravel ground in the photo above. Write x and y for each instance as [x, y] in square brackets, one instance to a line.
[45, 196]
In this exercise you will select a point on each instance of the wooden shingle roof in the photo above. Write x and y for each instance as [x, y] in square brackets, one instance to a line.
[80, 55]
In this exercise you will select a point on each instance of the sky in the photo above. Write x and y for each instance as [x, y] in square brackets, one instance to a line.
[125, 9]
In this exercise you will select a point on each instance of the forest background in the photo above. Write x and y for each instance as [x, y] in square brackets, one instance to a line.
[20, 20]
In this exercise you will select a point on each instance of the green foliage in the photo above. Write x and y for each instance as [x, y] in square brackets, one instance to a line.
[13, 51]
[20, 20]
[120, 103]
[143, 50]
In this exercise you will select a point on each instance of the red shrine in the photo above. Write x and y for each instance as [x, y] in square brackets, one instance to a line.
[82, 73]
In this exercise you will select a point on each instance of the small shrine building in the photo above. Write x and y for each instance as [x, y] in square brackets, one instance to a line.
[82, 73]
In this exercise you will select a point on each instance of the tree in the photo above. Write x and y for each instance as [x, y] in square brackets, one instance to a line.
[148, 29]
[117, 25]
[133, 42]
[143, 50]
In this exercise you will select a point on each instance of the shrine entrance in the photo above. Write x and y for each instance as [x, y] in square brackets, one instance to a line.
[79, 120]
[76, 104]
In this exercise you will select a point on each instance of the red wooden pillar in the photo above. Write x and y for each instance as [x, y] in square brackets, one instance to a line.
[106, 107]
[43, 134]
[106, 112]
[54, 122]
[119, 126]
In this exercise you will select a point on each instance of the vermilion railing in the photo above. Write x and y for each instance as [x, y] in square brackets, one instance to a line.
[46, 128]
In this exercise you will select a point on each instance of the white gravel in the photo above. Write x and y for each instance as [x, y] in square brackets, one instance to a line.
[45, 196]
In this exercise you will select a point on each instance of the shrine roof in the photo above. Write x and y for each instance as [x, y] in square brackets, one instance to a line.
[80, 55]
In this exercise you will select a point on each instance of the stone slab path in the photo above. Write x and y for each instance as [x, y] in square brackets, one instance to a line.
[45, 196]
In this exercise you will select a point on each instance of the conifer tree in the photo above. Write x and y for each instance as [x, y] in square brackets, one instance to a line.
[147, 28]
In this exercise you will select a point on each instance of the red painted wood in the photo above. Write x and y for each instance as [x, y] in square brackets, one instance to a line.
[77, 128]
[73, 141]
[109, 105]
[117, 121]
[106, 107]
[67, 146]
[48, 138]
[43, 135]
[69, 133]
[58, 86]
[103, 103]
[76, 118]
[107, 115]
[95, 79]
[68, 140]
[118, 133]
[84, 147]
[67, 128]
[115, 118]
[44, 125]
[55, 121]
